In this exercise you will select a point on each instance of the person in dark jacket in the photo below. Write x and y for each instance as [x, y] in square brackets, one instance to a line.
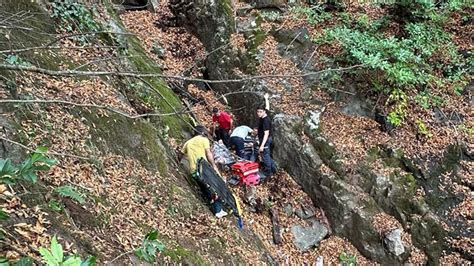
[265, 140]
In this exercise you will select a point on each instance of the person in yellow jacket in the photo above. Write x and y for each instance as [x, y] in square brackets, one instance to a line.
[196, 148]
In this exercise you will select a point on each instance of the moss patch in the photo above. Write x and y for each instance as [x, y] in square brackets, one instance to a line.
[131, 137]
[179, 254]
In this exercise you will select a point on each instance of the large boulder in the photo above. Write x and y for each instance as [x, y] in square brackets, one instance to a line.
[350, 207]
[349, 213]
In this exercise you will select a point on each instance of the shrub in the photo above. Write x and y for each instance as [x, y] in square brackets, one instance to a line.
[73, 16]
[150, 247]
[314, 14]
[396, 64]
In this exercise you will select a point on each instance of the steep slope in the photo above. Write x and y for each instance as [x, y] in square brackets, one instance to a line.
[121, 165]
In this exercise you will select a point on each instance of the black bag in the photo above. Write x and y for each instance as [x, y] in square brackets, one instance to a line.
[209, 177]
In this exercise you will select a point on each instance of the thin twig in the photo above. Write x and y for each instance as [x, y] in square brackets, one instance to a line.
[72, 73]
[113, 110]
[119, 256]
[50, 153]
[48, 45]
[309, 59]
[108, 108]
[110, 58]
[292, 41]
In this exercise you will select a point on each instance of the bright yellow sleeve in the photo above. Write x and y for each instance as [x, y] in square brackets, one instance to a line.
[205, 143]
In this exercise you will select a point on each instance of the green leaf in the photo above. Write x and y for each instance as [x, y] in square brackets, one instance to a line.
[30, 176]
[43, 167]
[152, 235]
[57, 249]
[41, 149]
[7, 169]
[8, 180]
[24, 261]
[4, 261]
[91, 260]
[55, 205]
[3, 215]
[72, 261]
[47, 257]
[12, 59]
[70, 192]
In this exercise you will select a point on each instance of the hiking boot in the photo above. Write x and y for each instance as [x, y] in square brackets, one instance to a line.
[221, 214]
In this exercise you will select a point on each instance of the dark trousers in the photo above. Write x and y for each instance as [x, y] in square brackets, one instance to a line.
[237, 143]
[216, 205]
[269, 166]
[223, 134]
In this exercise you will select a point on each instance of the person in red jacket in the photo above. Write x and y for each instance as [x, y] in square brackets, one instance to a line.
[222, 125]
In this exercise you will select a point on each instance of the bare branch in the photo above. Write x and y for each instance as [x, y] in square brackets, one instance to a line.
[72, 73]
[110, 58]
[50, 153]
[48, 45]
[86, 105]
[15, 27]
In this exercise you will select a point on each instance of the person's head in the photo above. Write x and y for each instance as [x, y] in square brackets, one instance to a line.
[216, 111]
[261, 111]
[254, 132]
[200, 130]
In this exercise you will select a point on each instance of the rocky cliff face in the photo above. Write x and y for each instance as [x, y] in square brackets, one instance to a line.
[352, 198]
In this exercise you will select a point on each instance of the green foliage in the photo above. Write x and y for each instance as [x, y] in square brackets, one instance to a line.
[271, 15]
[3, 215]
[27, 170]
[74, 16]
[425, 99]
[13, 59]
[467, 130]
[423, 129]
[347, 259]
[314, 14]
[150, 247]
[426, 39]
[400, 101]
[423, 57]
[55, 205]
[457, 5]
[24, 261]
[55, 256]
[70, 192]
[402, 61]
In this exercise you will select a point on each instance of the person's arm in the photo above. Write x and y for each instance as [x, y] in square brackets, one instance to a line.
[266, 133]
[210, 158]
[267, 102]
[180, 155]
[213, 126]
[231, 123]
[181, 152]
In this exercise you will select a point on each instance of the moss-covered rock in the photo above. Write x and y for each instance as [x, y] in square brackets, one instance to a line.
[131, 137]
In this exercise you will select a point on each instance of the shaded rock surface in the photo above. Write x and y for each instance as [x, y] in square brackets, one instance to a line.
[394, 243]
[307, 237]
[268, 3]
[349, 206]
